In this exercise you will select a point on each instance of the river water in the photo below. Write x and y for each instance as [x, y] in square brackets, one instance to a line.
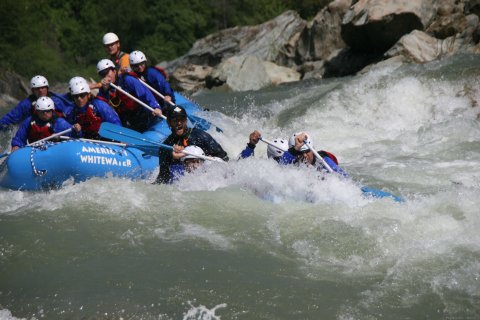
[252, 240]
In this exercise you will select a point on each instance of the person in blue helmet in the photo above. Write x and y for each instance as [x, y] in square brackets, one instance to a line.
[26, 108]
[89, 111]
[43, 123]
[180, 138]
[153, 76]
[132, 114]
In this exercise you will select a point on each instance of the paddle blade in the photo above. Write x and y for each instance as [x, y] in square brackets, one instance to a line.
[371, 192]
[129, 136]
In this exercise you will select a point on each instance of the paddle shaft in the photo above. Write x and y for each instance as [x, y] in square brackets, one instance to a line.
[156, 92]
[325, 164]
[96, 141]
[49, 137]
[270, 143]
[134, 98]
[125, 132]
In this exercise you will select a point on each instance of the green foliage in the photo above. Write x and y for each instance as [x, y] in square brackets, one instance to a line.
[62, 38]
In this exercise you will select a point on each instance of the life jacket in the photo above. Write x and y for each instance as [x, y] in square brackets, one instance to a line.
[122, 103]
[90, 122]
[37, 132]
[324, 154]
[118, 60]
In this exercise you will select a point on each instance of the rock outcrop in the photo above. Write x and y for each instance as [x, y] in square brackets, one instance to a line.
[343, 38]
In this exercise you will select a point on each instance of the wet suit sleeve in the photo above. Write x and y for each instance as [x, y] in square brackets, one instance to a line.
[205, 141]
[165, 160]
[249, 151]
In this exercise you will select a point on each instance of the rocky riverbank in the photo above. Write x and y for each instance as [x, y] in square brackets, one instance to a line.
[342, 39]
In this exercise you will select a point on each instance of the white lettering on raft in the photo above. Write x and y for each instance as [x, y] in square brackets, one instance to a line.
[98, 150]
[105, 160]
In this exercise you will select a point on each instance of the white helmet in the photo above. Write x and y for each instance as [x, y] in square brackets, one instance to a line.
[137, 57]
[110, 38]
[104, 64]
[72, 81]
[44, 103]
[38, 82]
[273, 152]
[291, 142]
[80, 86]
[195, 151]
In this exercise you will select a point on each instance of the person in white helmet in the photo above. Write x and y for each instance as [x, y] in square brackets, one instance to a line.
[89, 111]
[43, 123]
[25, 108]
[111, 43]
[154, 76]
[132, 114]
[272, 152]
[296, 151]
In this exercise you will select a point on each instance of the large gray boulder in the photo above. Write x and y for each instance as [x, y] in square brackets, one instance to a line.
[274, 40]
[376, 25]
[248, 72]
[420, 47]
[322, 35]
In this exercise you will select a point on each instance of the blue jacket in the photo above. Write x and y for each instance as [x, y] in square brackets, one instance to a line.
[21, 137]
[141, 118]
[133, 86]
[101, 108]
[24, 109]
[289, 158]
[158, 82]
[249, 151]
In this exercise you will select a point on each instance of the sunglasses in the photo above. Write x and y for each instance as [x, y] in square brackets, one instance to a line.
[45, 111]
[80, 95]
[135, 66]
[103, 73]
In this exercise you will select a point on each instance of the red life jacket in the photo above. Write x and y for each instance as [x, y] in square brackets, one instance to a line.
[37, 132]
[122, 103]
[90, 122]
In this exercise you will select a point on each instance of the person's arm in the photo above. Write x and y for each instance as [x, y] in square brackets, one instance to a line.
[165, 159]
[62, 125]
[19, 113]
[249, 150]
[141, 92]
[106, 113]
[21, 137]
[207, 143]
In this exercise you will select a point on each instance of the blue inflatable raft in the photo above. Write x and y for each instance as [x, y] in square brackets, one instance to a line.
[51, 164]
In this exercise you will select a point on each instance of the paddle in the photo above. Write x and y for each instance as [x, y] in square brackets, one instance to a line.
[49, 137]
[137, 140]
[39, 141]
[95, 141]
[135, 99]
[199, 122]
